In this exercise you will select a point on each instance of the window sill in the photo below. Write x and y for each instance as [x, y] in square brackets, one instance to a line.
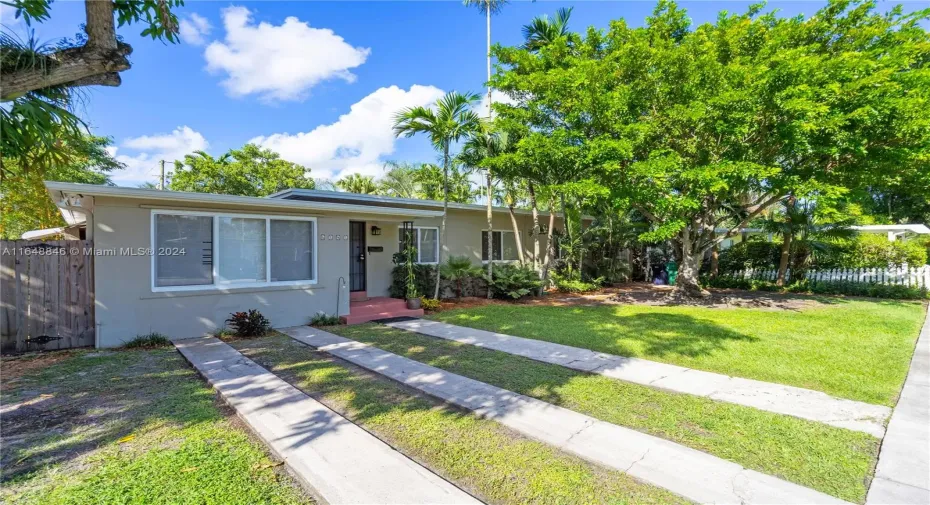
[213, 291]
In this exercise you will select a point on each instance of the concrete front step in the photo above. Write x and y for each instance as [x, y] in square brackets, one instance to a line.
[690, 473]
[377, 305]
[372, 316]
[337, 461]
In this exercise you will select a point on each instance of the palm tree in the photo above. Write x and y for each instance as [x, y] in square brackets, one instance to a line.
[542, 31]
[357, 183]
[481, 146]
[399, 180]
[452, 120]
[803, 232]
[487, 7]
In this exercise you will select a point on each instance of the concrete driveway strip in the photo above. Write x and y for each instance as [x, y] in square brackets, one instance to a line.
[903, 472]
[778, 398]
[692, 474]
[336, 460]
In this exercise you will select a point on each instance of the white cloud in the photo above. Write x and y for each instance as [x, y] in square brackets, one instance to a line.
[497, 96]
[194, 29]
[358, 141]
[142, 166]
[279, 62]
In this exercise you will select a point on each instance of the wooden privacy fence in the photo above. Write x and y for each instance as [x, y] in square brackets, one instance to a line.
[46, 288]
[917, 277]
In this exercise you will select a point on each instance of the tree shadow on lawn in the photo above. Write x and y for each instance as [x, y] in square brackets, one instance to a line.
[58, 414]
[644, 334]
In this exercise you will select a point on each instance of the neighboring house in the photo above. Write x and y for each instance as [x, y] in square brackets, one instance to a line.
[179, 263]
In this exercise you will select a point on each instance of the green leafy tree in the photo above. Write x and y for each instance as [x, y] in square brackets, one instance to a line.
[682, 122]
[250, 171]
[38, 81]
[357, 183]
[452, 120]
[431, 183]
[24, 201]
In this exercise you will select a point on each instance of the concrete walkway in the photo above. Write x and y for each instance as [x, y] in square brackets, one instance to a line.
[778, 398]
[903, 472]
[687, 472]
[335, 459]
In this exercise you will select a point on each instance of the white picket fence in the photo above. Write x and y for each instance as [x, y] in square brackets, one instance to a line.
[918, 277]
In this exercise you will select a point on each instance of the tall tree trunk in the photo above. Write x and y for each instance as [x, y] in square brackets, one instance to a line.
[516, 235]
[490, 265]
[532, 191]
[488, 11]
[690, 266]
[715, 261]
[550, 245]
[568, 229]
[787, 237]
[445, 212]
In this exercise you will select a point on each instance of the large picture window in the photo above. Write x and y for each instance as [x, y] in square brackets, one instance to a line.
[425, 241]
[196, 250]
[505, 246]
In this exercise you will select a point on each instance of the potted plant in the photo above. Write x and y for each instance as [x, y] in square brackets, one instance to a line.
[413, 296]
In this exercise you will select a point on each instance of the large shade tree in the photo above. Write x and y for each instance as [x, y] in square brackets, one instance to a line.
[683, 123]
[249, 171]
[38, 82]
[450, 120]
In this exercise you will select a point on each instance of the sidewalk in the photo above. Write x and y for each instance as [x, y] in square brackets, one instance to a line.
[778, 398]
[336, 460]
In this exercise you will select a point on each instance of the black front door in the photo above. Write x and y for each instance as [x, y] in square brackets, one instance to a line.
[356, 256]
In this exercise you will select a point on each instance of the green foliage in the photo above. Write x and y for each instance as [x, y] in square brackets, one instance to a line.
[358, 183]
[707, 126]
[753, 253]
[429, 303]
[24, 201]
[429, 181]
[249, 324]
[846, 288]
[873, 251]
[250, 171]
[323, 319]
[576, 286]
[514, 281]
[458, 269]
[156, 15]
[424, 278]
[147, 341]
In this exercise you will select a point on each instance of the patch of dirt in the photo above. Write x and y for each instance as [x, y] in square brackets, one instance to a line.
[648, 294]
[15, 367]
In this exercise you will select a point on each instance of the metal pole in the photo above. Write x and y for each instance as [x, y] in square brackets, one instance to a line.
[161, 186]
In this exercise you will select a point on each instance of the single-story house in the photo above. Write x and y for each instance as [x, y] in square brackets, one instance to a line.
[179, 263]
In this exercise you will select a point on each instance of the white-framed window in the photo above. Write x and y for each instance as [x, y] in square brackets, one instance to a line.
[505, 246]
[425, 241]
[206, 250]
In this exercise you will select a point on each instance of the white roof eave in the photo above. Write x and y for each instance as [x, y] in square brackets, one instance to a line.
[207, 199]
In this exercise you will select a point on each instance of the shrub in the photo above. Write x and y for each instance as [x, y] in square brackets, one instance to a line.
[249, 324]
[458, 269]
[514, 282]
[847, 288]
[429, 303]
[565, 285]
[873, 251]
[147, 341]
[752, 253]
[424, 275]
[323, 319]
[223, 332]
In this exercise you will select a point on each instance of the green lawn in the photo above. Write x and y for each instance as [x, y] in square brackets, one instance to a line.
[859, 350]
[127, 427]
[833, 460]
[481, 456]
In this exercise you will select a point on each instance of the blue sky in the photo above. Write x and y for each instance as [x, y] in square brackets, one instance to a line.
[317, 81]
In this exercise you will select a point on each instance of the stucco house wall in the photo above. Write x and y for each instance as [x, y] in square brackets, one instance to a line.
[126, 305]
